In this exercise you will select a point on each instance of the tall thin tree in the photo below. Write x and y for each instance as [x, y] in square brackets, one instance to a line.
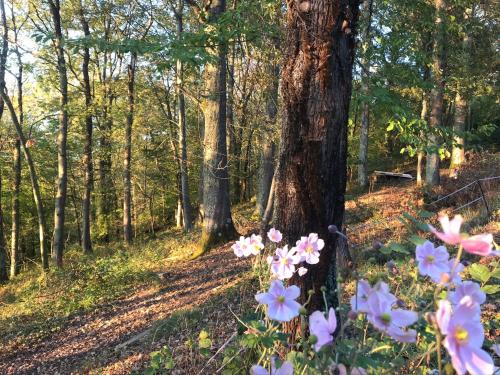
[62, 161]
[217, 221]
[181, 117]
[89, 128]
[127, 183]
[27, 154]
[432, 170]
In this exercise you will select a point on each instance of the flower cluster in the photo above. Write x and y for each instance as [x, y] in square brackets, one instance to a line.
[459, 316]
[247, 246]
[457, 319]
[378, 305]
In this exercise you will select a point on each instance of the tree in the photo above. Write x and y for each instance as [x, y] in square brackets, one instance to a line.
[62, 161]
[365, 90]
[127, 184]
[316, 91]
[89, 128]
[217, 221]
[3, 253]
[181, 118]
[19, 130]
[432, 176]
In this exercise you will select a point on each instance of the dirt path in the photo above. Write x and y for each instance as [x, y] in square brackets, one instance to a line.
[94, 342]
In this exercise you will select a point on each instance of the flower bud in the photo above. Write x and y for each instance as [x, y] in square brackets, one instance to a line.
[302, 310]
[323, 289]
[310, 292]
[377, 245]
[400, 303]
[430, 318]
[353, 315]
[313, 339]
[333, 229]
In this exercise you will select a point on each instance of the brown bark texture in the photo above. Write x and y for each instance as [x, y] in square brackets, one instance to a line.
[312, 171]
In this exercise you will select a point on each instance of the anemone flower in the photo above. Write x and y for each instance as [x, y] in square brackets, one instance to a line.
[451, 229]
[309, 247]
[283, 264]
[464, 336]
[393, 322]
[274, 235]
[280, 301]
[432, 261]
[323, 328]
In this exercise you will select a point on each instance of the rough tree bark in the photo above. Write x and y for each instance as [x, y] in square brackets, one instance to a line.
[458, 152]
[420, 154]
[432, 177]
[62, 162]
[312, 167]
[186, 202]
[365, 90]
[268, 151]
[87, 153]
[127, 185]
[217, 221]
[461, 110]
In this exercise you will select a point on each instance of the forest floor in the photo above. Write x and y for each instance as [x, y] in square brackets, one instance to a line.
[108, 316]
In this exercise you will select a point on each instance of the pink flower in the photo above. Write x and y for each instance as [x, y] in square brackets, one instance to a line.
[285, 369]
[280, 301]
[464, 337]
[455, 278]
[392, 322]
[283, 264]
[322, 328]
[302, 271]
[451, 229]
[358, 371]
[359, 302]
[309, 247]
[481, 244]
[274, 235]
[432, 261]
[242, 248]
[467, 289]
[256, 244]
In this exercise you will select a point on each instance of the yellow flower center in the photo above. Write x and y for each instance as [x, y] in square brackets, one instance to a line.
[281, 299]
[430, 258]
[284, 261]
[309, 249]
[461, 335]
[386, 318]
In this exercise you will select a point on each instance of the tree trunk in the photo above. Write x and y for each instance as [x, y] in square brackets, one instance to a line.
[365, 115]
[87, 153]
[268, 152]
[3, 251]
[217, 222]
[420, 154]
[127, 186]
[458, 152]
[186, 202]
[312, 166]
[19, 130]
[432, 177]
[14, 239]
[62, 163]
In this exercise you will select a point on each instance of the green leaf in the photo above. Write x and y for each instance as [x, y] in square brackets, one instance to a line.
[479, 272]
[416, 240]
[398, 248]
[386, 250]
[491, 289]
